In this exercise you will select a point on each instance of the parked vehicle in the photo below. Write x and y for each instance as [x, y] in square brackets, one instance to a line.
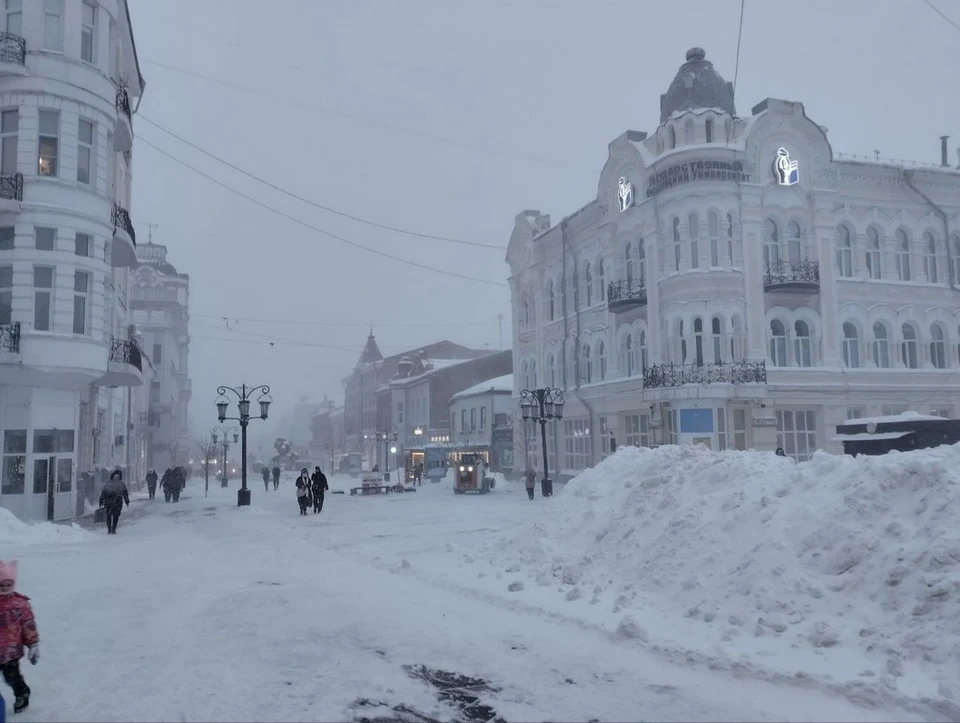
[471, 475]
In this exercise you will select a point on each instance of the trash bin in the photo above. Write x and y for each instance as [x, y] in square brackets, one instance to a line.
[546, 487]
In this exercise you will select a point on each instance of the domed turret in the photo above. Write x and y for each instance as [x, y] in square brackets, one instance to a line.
[697, 85]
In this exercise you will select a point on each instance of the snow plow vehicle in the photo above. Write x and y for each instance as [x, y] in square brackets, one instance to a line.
[471, 475]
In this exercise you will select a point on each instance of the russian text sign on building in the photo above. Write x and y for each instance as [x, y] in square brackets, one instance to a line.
[625, 192]
[696, 171]
[786, 170]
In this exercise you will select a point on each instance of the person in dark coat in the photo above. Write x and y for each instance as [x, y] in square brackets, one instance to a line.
[112, 497]
[167, 482]
[266, 477]
[318, 481]
[276, 477]
[418, 474]
[530, 481]
[303, 490]
[179, 482]
[152, 483]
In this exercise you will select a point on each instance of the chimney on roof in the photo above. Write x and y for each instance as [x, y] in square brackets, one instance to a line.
[943, 152]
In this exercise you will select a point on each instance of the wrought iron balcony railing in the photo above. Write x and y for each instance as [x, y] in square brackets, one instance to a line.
[121, 219]
[123, 102]
[626, 293]
[792, 273]
[13, 49]
[11, 186]
[149, 419]
[677, 375]
[10, 337]
[126, 351]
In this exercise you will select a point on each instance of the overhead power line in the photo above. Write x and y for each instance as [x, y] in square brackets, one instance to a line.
[943, 15]
[310, 226]
[321, 206]
[364, 324]
[736, 67]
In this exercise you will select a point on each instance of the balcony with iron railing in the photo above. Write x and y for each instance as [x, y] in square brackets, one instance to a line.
[124, 365]
[10, 337]
[625, 295]
[677, 375]
[800, 276]
[123, 136]
[13, 54]
[124, 248]
[11, 191]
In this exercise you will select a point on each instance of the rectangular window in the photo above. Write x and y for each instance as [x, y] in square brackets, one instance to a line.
[9, 132]
[399, 412]
[42, 297]
[721, 428]
[157, 353]
[636, 430]
[14, 17]
[855, 413]
[739, 428]
[53, 25]
[797, 433]
[6, 294]
[473, 419]
[576, 444]
[14, 461]
[892, 410]
[154, 392]
[83, 244]
[49, 142]
[463, 420]
[483, 418]
[942, 412]
[81, 288]
[6, 238]
[46, 238]
[88, 33]
[85, 154]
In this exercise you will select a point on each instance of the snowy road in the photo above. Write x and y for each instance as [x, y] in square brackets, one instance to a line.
[202, 611]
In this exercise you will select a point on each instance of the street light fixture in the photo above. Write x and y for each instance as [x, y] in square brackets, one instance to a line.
[541, 405]
[243, 407]
[221, 438]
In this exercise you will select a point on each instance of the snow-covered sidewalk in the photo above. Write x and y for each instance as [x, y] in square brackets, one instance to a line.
[203, 611]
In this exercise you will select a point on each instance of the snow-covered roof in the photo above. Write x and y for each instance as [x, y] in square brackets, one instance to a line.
[894, 418]
[438, 364]
[867, 437]
[499, 384]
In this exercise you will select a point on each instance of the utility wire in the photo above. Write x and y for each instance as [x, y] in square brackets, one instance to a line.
[364, 324]
[296, 220]
[314, 203]
[939, 12]
[736, 69]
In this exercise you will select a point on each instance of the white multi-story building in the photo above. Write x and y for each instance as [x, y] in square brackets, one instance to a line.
[68, 76]
[738, 284]
[159, 304]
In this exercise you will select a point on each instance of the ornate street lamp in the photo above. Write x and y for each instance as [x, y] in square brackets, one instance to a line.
[541, 405]
[243, 407]
[220, 437]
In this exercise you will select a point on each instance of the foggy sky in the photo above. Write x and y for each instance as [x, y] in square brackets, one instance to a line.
[448, 118]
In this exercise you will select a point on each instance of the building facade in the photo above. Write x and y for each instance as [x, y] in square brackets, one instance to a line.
[69, 81]
[737, 283]
[482, 419]
[159, 306]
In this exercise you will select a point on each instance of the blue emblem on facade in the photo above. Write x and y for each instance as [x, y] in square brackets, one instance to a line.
[786, 170]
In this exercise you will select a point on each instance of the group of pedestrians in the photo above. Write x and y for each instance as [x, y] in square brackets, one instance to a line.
[266, 477]
[172, 483]
[311, 490]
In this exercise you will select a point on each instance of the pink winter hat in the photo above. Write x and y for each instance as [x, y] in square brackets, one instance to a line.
[8, 570]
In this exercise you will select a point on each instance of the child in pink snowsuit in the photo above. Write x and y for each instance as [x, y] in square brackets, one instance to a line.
[17, 630]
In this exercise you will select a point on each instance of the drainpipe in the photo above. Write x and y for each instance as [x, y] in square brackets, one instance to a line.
[908, 179]
[563, 298]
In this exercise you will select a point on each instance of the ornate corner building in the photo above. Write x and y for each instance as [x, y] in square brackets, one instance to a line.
[738, 284]
[69, 85]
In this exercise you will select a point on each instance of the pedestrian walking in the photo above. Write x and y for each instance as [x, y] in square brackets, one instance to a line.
[179, 482]
[418, 474]
[303, 490]
[319, 487]
[266, 478]
[18, 630]
[276, 477]
[112, 497]
[152, 483]
[530, 480]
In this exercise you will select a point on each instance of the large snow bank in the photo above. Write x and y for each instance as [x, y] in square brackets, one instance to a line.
[834, 554]
[15, 532]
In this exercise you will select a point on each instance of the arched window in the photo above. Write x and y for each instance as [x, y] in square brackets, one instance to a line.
[643, 351]
[628, 263]
[908, 349]
[873, 253]
[602, 360]
[683, 345]
[801, 344]
[930, 257]
[794, 244]
[717, 329]
[626, 356]
[881, 346]
[698, 341]
[601, 280]
[956, 259]
[938, 347]
[526, 313]
[551, 300]
[673, 137]
[736, 339]
[730, 237]
[713, 228]
[903, 255]
[851, 346]
[688, 132]
[533, 374]
[693, 228]
[708, 128]
[844, 251]
[778, 343]
[771, 246]
[551, 371]
[642, 262]
[588, 284]
[586, 366]
[676, 244]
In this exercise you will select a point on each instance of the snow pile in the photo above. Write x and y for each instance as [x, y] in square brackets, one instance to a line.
[858, 553]
[15, 532]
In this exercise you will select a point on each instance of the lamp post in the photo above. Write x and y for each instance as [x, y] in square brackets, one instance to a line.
[393, 451]
[243, 406]
[540, 405]
[221, 437]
